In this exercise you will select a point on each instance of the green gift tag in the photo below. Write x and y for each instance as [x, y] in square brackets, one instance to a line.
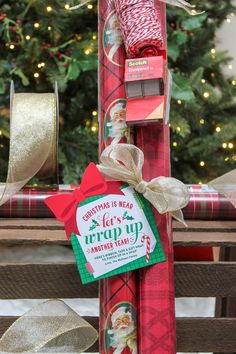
[117, 234]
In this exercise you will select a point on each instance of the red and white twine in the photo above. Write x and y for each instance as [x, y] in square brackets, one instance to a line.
[148, 246]
[141, 27]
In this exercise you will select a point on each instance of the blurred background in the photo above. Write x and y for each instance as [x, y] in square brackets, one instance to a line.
[43, 42]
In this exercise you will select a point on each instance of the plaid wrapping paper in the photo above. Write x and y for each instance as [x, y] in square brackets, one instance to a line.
[205, 204]
[117, 293]
[156, 316]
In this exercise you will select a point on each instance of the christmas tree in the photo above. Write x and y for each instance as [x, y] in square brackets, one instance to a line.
[43, 42]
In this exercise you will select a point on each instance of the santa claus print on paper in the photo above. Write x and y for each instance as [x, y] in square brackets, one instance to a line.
[120, 330]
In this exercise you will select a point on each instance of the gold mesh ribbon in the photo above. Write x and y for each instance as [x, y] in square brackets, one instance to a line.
[33, 140]
[50, 327]
[124, 162]
[226, 185]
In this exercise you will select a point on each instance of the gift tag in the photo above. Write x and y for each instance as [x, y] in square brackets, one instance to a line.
[117, 233]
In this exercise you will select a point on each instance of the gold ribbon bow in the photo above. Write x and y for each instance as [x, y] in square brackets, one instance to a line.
[33, 140]
[124, 162]
[50, 327]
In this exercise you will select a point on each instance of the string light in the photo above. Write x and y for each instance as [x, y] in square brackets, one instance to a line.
[234, 158]
[90, 6]
[234, 82]
[218, 129]
[230, 66]
[36, 25]
[213, 51]
[230, 145]
[67, 6]
[202, 163]
[227, 159]
[224, 145]
[27, 37]
[41, 65]
[213, 75]
[12, 46]
[202, 121]
[49, 28]
[203, 81]
[206, 95]
[94, 37]
[200, 182]
[178, 129]
[36, 75]
[228, 20]
[94, 128]
[88, 51]
[49, 8]
[87, 122]
[175, 144]
[94, 113]
[0, 132]
[1, 146]
[179, 101]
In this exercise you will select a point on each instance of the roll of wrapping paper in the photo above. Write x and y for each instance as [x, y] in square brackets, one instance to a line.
[156, 317]
[118, 301]
[205, 203]
[156, 284]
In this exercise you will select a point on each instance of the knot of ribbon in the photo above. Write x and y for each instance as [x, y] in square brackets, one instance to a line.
[64, 206]
[49, 327]
[124, 162]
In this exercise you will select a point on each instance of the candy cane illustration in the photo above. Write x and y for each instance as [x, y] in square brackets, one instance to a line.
[147, 239]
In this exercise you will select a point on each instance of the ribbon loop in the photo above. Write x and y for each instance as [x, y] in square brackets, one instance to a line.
[124, 162]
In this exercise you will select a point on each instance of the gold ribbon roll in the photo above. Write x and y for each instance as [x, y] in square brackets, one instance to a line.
[33, 140]
[50, 327]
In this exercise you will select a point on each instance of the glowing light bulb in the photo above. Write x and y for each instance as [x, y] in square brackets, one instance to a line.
[49, 8]
[234, 158]
[206, 95]
[234, 82]
[90, 6]
[179, 101]
[36, 25]
[227, 159]
[43, 65]
[27, 37]
[178, 129]
[87, 51]
[202, 163]
[0, 132]
[202, 121]
[224, 145]
[228, 20]
[94, 128]
[200, 182]
[67, 6]
[213, 51]
[175, 144]
[36, 75]
[230, 66]
[49, 28]
[218, 129]
[94, 113]
[203, 81]
[230, 145]
[11, 46]
[94, 37]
